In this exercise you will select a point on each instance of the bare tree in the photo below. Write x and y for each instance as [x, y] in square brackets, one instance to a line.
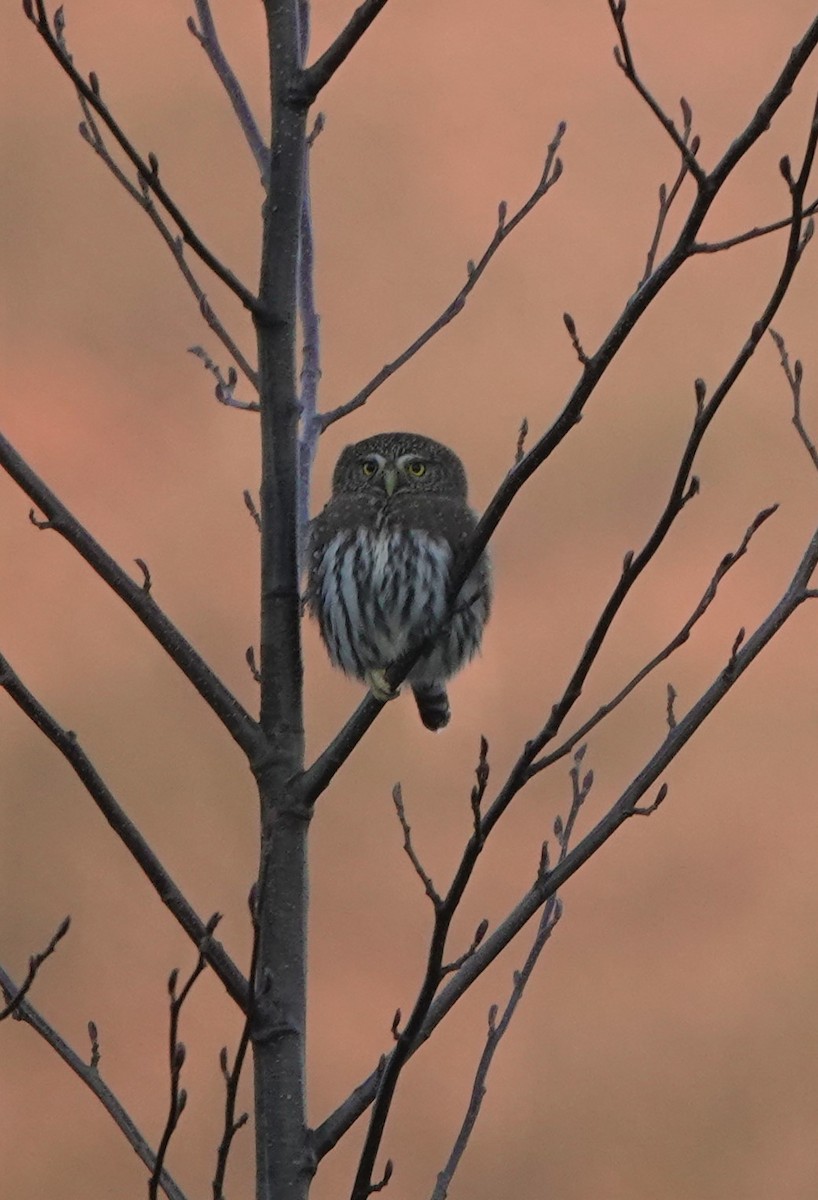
[277, 387]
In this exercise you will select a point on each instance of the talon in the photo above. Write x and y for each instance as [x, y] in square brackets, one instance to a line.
[380, 687]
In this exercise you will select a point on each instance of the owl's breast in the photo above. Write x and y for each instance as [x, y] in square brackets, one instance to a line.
[377, 591]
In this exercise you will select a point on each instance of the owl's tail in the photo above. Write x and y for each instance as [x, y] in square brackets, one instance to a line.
[433, 704]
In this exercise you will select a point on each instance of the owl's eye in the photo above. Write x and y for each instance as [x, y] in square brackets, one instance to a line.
[369, 467]
[417, 469]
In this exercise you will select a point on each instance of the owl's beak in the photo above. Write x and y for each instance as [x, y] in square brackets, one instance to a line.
[390, 478]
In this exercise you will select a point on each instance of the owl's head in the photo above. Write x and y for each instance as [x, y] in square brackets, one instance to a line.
[388, 463]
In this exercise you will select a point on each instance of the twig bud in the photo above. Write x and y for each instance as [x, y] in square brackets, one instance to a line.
[93, 80]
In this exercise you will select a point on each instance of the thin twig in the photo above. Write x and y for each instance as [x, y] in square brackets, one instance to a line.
[666, 197]
[89, 1074]
[624, 60]
[205, 34]
[90, 133]
[176, 1060]
[148, 170]
[726, 564]
[795, 376]
[505, 226]
[225, 390]
[750, 234]
[232, 1075]
[34, 964]
[422, 874]
[169, 893]
[496, 1030]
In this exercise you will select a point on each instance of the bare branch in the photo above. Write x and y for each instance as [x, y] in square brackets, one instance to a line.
[234, 717]
[205, 34]
[756, 232]
[456, 963]
[425, 879]
[318, 775]
[90, 133]
[314, 78]
[225, 385]
[89, 1074]
[34, 964]
[147, 170]
[795, 376]
[169, 893]
[176, 1059]
[624, 59]
[549, 882]
[549, 919]
[709, 595]
[666, 197]
[232, 1075]
[649, 809]
[551, 173]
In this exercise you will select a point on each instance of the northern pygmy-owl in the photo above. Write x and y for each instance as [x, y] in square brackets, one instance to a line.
[380, 557]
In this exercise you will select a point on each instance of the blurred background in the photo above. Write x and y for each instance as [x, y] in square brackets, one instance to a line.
[667, 1046]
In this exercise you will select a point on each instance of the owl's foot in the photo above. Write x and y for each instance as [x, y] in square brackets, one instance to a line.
[380, 686]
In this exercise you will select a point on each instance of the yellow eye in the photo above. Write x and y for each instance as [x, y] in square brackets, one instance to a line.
[369, 467]
[416, 468]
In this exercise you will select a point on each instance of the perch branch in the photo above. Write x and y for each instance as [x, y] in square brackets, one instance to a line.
[323, 769]
[549, 882]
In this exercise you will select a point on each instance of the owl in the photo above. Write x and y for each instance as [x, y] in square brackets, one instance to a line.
[380, 556]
